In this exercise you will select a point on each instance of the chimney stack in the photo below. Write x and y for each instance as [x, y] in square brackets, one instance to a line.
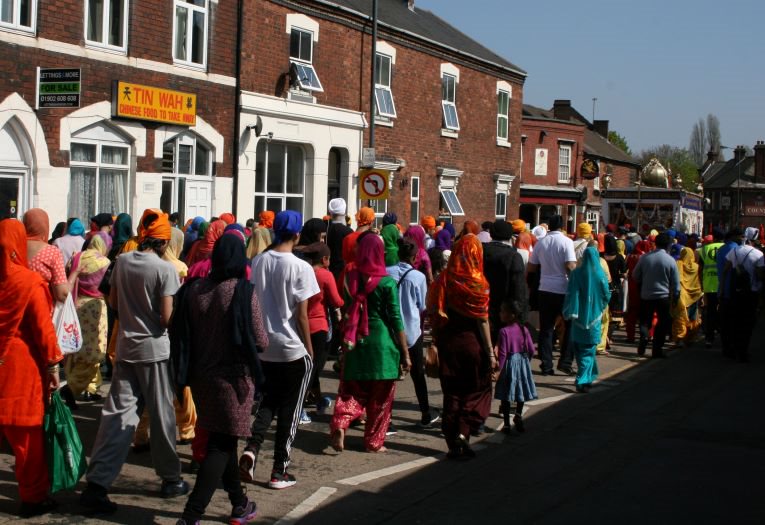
[562, 110]
[713, 156]
[759, 162]
[739, 153]
[601, 128]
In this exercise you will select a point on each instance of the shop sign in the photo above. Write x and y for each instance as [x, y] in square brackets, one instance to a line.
[373, 184]
[754, 210]
[540, 162]
[58, 88]
[135, 101]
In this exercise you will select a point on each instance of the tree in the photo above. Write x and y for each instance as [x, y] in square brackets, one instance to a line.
[713, 133]
[698, 144]
[678, 160]
[619, 141]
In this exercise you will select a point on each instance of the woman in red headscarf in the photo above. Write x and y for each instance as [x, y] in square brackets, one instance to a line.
[202, 249]
[29, 354]
[458, 304]
[633, 290]
[372, 358]
[44, 258]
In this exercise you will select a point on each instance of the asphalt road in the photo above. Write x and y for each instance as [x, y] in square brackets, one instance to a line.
[675, 441]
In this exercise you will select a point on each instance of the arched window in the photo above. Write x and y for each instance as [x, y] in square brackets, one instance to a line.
[187, 167]
[99, 167]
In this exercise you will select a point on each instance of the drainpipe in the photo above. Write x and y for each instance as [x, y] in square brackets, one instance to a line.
[238, 108]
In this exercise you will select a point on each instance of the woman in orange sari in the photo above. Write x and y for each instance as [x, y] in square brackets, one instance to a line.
[29, 354]
[458, 304]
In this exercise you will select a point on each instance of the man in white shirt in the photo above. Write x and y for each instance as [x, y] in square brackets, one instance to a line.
[284, 283]
[554, 258]
[749, 259]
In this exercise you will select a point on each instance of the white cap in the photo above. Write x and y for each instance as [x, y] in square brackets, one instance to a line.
[337, 206]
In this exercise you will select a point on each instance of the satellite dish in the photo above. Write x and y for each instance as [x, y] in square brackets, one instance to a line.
[294, 75]
[258, 126]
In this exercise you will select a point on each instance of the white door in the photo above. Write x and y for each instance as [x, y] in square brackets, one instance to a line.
[198, 199]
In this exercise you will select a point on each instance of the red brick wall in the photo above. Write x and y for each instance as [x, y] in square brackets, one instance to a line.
[551, 141]
[341, 59]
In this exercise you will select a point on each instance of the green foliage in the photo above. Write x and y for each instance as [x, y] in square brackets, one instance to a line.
[678, 160]
[619, 141]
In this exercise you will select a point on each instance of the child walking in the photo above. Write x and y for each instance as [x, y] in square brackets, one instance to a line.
[514, 349]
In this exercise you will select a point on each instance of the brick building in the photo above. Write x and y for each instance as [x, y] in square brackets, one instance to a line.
[448, 111]
[163, 151]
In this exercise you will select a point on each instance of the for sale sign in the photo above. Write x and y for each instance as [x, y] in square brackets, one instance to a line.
[58, 88]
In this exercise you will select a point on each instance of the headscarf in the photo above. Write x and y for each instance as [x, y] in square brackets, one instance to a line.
[286, 224]
[95, 257]
[365, 216]
[588, 294]
[228, 259]
[621, 247]
[311, 232]
[266, 219]
[390, 236]
[462, 287]
[470, 227]
[204, 227]
[58, 232]
[123, 229]
[525, 241]
[675, 250]
[37, 225]
[539, 232]
[235, 232]
[690, 284]
[203, 248]
[75, 228]
[389, 218]
[417, 235]
[102, 219]
[191, 233]
[443, 240]
[228, 218]
[519, 225]
[361, 280]
[259, 241]
[155, 224]
[428, 222]
[173, 252]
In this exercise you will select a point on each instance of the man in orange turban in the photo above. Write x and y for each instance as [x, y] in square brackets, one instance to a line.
[428, 224]
[519, 225]
[228, 218]
[266, 219]
[365, 217]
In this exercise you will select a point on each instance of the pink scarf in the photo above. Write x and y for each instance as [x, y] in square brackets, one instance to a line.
[361, 280]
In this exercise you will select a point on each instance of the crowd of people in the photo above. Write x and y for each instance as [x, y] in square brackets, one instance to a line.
[218, 328]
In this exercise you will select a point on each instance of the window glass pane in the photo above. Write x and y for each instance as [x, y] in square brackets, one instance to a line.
[82, 193]
[295, 43]
[384, 99]
[500, 208]
[260, 168]
[168, 157]
[503, 102]
[95, 20]
[184, 159]
[502, 127]
[306, 44]
[116, 21]
[415, 185]
[181, 206]
[414, 212]
[307, 76]
[114, 155]
[198, 39]
[274, 204]
[83, 152]
[166, 199]
[111, 191]
[25, 13]
[450, 116]
[6, 11]
[201, 165]
[181, 20]
[295, 203]
[294, 169]
[448, 87]
[382, 73]
[275, 175]
[259, 205]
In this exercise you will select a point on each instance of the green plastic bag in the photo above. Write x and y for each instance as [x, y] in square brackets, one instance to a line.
[63, 448]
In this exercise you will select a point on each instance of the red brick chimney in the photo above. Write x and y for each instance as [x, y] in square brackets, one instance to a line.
[562, 110]
[739, 153]
[601, 128]
[759, 162]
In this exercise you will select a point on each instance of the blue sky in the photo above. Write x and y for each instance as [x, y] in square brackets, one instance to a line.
[654, 66]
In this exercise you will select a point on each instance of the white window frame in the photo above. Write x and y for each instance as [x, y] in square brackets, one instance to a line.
[564, 164]
[190, 10]
[500, 208]
[449, 102]
[15, 24]
[382, 88]
[502, 182]
[189, 139]
[301, 63]
[283, 195]
[98, 166]
[414, 200]
[106, 23]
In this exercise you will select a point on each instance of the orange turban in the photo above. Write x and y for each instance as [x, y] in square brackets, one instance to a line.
[266, 219]
[428, 222]
[519, 225]
[155, 224]
[228, 218]
[365, 216]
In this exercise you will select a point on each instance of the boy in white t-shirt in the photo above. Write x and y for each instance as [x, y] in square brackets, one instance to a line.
[284, 283]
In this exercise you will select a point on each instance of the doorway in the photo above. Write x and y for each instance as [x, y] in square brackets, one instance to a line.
[11, 195]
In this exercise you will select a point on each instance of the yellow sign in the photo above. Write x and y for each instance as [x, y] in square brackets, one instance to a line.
[152, 103]
[373, 184]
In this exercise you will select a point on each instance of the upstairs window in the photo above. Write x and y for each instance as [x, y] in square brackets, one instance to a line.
[500, 205]
[106, 23]
[564, 163]
[448, 102]
[190, 32]
[414, 201]
[383, 93]
[18, 14]
[301, 60]
[503, 115]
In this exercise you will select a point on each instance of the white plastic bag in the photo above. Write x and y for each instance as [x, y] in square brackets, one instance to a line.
[67, 326]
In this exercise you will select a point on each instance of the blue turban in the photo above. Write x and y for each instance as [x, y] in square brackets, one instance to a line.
[236, 226]
[196, 222]
[75, 228]
[672, 233]
[286, 224]
[389, 218]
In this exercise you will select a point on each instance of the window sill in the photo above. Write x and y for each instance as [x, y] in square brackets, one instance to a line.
[450, 133]
[503, 143]
[190, 65]
[95, 46]
[564, 182]
[388, 123]
[31, 32]
[297, 95]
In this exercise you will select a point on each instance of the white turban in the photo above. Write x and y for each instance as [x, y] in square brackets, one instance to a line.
[337, 206]
[539, 232]
[751, 233]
